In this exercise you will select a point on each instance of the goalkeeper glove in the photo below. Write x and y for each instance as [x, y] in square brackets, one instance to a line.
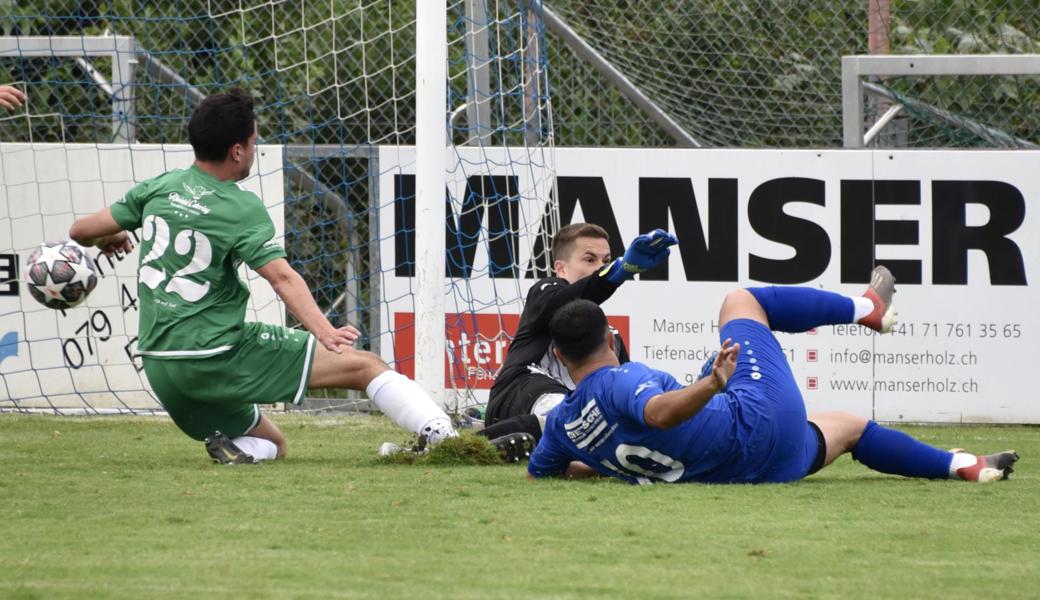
[644, 253]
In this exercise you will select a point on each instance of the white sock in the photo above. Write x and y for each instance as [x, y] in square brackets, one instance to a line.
[961, 460]
[863, 307]
[258, 448]
[409, 406]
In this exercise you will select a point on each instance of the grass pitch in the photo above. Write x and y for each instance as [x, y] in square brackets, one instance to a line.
[131, 508]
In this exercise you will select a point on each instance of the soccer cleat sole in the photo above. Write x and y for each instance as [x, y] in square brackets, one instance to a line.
[514, 447]
[882, 288]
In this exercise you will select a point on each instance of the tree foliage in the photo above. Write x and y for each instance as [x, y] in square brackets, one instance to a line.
[763, 73]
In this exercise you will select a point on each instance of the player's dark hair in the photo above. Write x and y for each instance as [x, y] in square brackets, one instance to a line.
[578, 329]
[563, 241]
[219, 122]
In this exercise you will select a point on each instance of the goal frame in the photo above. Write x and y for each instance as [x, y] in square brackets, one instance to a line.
[122, 49]
[855, 68]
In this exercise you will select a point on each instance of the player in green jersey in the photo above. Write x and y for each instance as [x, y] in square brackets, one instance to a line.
[210, 368]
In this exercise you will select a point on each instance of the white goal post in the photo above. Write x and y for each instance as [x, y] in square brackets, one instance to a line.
[431, 149]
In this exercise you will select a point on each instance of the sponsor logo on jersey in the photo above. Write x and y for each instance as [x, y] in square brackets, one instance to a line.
[189, 204]
[197, 192]
[588, 426]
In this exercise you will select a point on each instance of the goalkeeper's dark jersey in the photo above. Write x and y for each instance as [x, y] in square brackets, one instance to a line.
[531, 345]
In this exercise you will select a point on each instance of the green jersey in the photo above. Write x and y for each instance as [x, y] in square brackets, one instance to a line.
[196, 230]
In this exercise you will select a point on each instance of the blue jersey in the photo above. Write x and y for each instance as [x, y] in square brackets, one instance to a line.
[601, 424]
[754, 431]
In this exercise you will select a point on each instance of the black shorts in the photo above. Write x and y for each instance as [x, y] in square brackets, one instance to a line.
[821, 450]
[519, 396]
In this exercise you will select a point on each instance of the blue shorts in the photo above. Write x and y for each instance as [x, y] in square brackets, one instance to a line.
[779, 442]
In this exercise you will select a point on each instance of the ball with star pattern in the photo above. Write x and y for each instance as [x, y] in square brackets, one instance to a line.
[60, 275]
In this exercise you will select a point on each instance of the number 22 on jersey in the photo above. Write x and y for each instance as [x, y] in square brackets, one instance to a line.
[157, 229]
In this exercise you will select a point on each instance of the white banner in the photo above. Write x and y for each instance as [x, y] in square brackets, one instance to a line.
[86, 355]
[958, 228]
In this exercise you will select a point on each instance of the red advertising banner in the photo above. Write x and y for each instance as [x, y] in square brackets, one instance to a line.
[476, 345]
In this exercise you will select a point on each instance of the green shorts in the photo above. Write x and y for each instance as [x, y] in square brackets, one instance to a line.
[270, 364]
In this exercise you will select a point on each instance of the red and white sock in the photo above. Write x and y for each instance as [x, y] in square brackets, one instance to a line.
[962, 461]
[862, 307]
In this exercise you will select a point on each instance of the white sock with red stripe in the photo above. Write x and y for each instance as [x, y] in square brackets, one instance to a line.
[960, 461]
[862, 306]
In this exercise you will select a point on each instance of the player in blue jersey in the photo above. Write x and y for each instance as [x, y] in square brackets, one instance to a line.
[744, 421]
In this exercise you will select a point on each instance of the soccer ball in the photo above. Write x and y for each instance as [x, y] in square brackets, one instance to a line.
[60, 274]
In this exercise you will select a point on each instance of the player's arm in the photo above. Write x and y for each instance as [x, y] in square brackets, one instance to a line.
[101, 229]
[292, 289]
[669, 409]
[580, 470]
[575, 470]
[549, 295]
[549, 459]
[645, 252]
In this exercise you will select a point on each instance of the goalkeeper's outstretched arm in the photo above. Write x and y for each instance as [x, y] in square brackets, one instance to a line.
[644, 253]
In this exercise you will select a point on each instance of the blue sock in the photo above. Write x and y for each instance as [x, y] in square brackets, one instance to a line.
[890, 451]
[797, 309]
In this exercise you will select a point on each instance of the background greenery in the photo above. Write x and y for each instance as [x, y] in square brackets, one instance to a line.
[734, 73]
[768, 74]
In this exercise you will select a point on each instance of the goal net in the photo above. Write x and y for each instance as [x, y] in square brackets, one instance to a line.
[957, 111]
[110, 89]
[768, 74]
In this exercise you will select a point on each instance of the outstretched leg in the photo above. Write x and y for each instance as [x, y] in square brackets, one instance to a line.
[894, 452]
[397, 396]
[795, 309]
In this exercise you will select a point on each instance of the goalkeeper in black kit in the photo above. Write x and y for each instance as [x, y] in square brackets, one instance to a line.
[532, 380]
